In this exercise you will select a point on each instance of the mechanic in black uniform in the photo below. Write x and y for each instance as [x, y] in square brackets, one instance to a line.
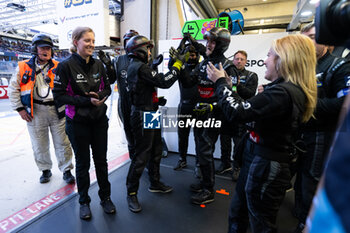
[121, 64]
[82, 84]
[188, 101]
[333, 78]
[142, 81]
[218, 40]
[247, 82]
[274, 117]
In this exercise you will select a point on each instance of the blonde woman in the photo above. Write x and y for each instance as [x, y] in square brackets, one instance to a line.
[82, 85]
[272, 117]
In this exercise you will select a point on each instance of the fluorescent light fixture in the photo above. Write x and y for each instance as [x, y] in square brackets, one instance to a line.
[262, 21]
[314, 1]
[306, 13]
[16, 6]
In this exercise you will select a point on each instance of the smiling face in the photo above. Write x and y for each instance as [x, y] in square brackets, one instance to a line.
[271, 73]
[85, 45]
[210, 47]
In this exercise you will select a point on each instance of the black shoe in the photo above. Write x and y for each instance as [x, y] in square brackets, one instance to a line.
[160, 188]
[235, 173]
[108, 206]
[223, 168]
[299, 228]
[85, 212]
[68, 177]
[204, 197]
[196, 188]
[180, 164]
[45, 177]
[197, 172]
[133, 203]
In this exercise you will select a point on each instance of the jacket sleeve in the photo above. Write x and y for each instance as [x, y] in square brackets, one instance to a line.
[63, 91]
[158, 79]
[15, 91]
[248, 89]
[269, 103]
[338, 88]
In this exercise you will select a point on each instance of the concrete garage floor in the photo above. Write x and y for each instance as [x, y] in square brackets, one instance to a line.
[19, 175]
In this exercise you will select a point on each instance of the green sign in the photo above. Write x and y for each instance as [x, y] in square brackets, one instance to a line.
[197, 28]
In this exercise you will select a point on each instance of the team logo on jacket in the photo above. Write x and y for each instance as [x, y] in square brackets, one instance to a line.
[80, 76]
[206, 92]
[151, 120]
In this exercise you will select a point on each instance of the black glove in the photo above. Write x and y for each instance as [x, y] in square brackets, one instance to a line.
[104, 57]
[161, 101]
[190, 39]
[106, 60]
[182, 45]
[203, 108]
[177, 55]
[156, 62]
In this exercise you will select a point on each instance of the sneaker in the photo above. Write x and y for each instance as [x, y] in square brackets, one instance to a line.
[85, 212]
[180, 164]
[160, 188]
[197, 172]
[235, 173]
[223, 168]
[68, 177]
[196, 188]
[133, 203]
[108, 206]
[204, 197]
[45, 177]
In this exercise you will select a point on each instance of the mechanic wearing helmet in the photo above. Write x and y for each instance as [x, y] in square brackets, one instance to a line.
[124, 103]
[30, 93]
[142, 81]
[218, 40]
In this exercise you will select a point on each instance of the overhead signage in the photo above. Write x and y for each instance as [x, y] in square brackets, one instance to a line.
[197, 28]
[86, 13]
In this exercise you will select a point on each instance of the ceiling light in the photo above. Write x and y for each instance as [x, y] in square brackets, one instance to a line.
[306, 13]
[314, 1]
[16, 6]
[262, 21]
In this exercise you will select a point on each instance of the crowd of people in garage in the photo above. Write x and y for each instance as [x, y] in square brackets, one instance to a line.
[280, 130]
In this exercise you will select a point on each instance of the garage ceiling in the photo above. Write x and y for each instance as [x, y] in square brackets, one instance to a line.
[263, 16]
[20, 16]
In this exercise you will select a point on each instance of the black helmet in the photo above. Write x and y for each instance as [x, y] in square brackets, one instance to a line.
[42, 40]
[221, 36]
[138, 46]
[128, 35]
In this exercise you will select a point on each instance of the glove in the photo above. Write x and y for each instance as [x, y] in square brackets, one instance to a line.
[180, 58]
[156, 62]
[182, 45]
[203, 108]
[161, 101]
[104, 58]
[190, 39]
